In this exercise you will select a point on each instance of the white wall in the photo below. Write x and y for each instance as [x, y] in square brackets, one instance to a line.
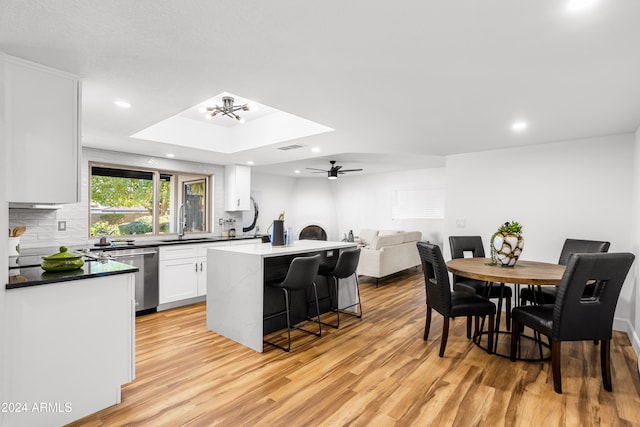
[273, 195]
[4, 265]
[313, 204]
[634, 309]
[574, 189]
[366, 201]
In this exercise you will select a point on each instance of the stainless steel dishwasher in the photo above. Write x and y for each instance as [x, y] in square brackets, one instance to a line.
[146, 259]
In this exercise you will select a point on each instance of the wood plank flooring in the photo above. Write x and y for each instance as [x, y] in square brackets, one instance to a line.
[377, 371]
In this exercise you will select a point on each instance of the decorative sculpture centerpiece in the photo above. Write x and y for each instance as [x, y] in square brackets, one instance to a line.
[507, 244]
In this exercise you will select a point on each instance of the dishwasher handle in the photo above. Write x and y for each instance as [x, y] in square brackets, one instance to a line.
[132, 255]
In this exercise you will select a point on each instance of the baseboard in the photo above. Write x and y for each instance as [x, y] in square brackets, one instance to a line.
[624, 325]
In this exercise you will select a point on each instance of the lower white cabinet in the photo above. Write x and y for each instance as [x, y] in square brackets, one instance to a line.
[183, 269]
[72, 347]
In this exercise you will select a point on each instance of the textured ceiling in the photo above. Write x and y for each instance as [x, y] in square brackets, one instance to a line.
[402, 83]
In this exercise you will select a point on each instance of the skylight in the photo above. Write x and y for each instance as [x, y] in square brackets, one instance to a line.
[221, 134]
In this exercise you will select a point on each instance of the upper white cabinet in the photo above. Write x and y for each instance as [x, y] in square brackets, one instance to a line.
[43, 133]
[238, 188]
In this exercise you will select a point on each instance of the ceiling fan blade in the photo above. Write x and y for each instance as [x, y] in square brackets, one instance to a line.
[351, 170]
[315, 169]
[337, 167]
[318, 172]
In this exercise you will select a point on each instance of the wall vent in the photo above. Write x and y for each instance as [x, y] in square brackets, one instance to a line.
[290, 147]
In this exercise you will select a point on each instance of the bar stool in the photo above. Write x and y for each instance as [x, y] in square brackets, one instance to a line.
[300, 276]
[345, 267]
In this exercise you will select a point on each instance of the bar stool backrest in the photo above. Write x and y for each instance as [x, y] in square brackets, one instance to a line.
[347, 263]
[302, 272]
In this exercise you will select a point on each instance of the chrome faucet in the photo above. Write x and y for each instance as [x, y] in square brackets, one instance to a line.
[182, 223]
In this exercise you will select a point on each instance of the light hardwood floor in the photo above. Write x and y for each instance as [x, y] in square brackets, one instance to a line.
[377, 371]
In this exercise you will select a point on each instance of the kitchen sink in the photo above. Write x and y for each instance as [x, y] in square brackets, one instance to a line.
[188, 239]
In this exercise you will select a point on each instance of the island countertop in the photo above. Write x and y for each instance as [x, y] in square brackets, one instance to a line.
[34, 276]
[265, 250]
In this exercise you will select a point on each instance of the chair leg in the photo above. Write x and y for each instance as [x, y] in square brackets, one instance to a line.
[605, 364]
[515, 336]
[508, 314]
[555, 366]
[337, 308]
[492, 321]
[427, 324]
[445, 335]
[469, 321]
[286, 305]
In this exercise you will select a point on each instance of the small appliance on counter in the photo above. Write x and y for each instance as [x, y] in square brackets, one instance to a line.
[277, 232]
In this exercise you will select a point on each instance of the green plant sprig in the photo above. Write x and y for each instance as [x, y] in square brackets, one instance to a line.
[510, 227]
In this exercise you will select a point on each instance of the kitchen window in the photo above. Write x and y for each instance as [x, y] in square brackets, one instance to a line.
[127, 201]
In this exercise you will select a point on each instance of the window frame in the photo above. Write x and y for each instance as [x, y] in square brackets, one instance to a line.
[156, 179]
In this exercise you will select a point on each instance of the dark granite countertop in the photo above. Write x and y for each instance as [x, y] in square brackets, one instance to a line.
[34, 276]
[168, 242]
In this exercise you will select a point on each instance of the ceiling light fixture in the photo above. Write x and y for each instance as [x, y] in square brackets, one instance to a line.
[578, 5]
[228, 109]
[171, 155]
[250, 162]
[519, 126]
[122, 104]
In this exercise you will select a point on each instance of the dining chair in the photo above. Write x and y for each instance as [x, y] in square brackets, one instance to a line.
[473, 244]
[300, 276]
[574, 318]
[345, 267]
[450, 303]
[547, 294]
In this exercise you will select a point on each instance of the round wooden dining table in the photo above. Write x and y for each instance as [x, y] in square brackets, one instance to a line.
[530, 273]
[523, 273]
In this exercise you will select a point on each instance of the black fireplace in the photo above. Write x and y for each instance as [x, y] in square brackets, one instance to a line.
[313, 232]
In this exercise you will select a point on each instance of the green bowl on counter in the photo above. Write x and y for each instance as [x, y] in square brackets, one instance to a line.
[62, 261]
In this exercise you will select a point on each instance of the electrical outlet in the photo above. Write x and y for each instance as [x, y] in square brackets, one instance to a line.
[62, 225]
[461, 223]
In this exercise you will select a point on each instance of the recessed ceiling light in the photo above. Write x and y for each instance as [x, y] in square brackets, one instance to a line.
[315, 149]
[296, 171]
[579, 5]
[519, 126]
[170, 155]
[122, 104]
[250, 162]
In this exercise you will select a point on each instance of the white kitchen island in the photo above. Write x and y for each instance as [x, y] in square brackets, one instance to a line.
[235, 284]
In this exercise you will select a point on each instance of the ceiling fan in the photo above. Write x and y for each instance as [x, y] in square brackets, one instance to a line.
[334, 171]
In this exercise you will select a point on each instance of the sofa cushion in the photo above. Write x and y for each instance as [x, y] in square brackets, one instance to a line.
[412, 236]
[388, 232]
[366, 236]
[388, 240]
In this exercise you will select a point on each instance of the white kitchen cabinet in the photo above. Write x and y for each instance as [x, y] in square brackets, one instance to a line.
[238, 188]
[43, 133]
[183, 269]
[177, 273]
[72, 344]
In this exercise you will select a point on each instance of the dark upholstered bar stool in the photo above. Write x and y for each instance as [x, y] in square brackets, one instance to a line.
[300, 276]
[345, 267]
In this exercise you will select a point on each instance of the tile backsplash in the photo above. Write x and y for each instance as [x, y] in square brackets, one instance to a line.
[42, 226]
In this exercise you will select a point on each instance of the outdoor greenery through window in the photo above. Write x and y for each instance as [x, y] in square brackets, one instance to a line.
[127, 202]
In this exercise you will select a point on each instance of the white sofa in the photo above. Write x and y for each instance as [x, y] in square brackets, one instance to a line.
[385, 252]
